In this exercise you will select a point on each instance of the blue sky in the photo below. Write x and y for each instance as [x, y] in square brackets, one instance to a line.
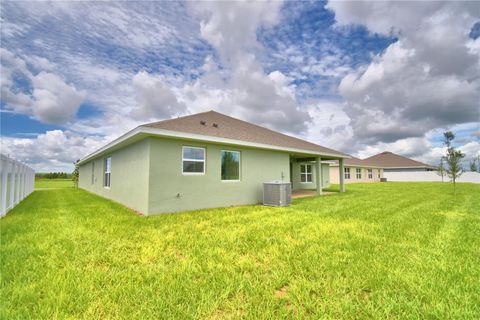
[344, 75]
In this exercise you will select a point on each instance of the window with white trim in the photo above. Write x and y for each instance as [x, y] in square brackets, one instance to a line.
[370, 174]
[193, 160]
[230, 162]
[306, 174]
[108, 171]
[346, 173]
[359, 173]
[93, 171]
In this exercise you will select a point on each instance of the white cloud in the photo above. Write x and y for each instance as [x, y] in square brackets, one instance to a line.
[429, 78]
[54, 150]
[247, 90]
[231, 26]
[155, 100]
[51, 100]
[421, 149]
[330, 125]
[120, 23]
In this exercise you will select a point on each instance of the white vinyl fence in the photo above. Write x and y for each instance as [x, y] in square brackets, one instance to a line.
[473, 177]
[16, 182]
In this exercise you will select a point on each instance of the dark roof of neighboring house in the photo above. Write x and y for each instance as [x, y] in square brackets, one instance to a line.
[215, 124]
[391, 160]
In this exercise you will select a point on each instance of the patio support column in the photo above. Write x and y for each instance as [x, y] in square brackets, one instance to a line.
[341, 171]
[318, 175]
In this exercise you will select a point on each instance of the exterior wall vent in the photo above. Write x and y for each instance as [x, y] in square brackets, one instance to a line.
[277, 193]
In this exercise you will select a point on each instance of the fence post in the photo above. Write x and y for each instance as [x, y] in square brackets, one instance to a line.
[20, 174]
[24, 181]
[11, 185]
[20, 184]
[15, 184]
[5, 170]
[30, 181]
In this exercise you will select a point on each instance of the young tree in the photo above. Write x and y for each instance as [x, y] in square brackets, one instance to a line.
[75, 173]
[441, 171]
[453, 159]
[474, 165]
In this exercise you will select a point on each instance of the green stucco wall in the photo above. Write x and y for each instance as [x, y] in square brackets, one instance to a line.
[170, 190]
[129, 176]
[311, 185]
[147, 176]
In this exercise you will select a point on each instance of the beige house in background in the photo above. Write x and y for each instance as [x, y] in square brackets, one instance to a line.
[356, 171]
[386, 165]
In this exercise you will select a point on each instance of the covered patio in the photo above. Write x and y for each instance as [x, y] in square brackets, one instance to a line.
[309, 174]
[302, 193]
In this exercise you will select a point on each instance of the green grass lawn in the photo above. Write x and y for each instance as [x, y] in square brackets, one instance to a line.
[385, 251]
[53, 183]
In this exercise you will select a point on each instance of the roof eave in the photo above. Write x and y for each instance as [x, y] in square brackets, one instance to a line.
[411, 167]
[359, 165]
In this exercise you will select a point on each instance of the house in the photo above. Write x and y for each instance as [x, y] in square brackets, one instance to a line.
[204, 160]
[391, 162]
[356, 170]
[374, 168]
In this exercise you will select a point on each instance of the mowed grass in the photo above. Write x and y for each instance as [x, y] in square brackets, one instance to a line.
[53, 183]
[384, 251]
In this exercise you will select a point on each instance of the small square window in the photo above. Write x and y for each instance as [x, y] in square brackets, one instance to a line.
[306, 175]
[193, 160]
[359, 173]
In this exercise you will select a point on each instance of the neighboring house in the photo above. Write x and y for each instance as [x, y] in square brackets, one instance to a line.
[199, 161]
[356, 170]
[391, 162]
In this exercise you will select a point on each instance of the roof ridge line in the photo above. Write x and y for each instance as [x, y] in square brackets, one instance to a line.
[173, 119]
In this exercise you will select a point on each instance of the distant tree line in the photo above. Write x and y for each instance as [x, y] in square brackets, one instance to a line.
[53, 175]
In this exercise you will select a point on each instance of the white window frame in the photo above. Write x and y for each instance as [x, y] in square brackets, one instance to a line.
[370, 174]
[306, 173]
[358, 173]
[346, 173]
[239, 165]
[105, 172]
[195, 160]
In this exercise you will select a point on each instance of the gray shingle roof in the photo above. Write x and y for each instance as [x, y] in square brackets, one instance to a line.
[356, 162]
[391, 160]
[215, 124]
